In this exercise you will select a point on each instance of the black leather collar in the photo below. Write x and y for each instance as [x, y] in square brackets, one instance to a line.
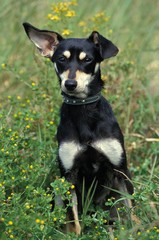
[77, 101]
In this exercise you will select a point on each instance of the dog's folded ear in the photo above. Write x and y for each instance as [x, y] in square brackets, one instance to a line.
[107, 48]
[45, 41]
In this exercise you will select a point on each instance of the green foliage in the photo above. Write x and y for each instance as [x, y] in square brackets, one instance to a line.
[29, 114]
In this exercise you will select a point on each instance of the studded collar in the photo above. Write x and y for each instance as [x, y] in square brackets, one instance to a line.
[77, 101]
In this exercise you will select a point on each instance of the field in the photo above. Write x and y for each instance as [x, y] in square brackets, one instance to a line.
[30, 99]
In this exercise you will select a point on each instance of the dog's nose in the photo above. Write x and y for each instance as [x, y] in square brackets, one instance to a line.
[70, 85]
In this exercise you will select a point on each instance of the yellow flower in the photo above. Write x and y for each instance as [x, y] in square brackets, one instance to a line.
[66, 32]
[73, 3]
[37, 220]
[27, 206]
[104, 77]
[18, 97]
[55, 219]
[3, 65]
[49, 16]
[42, 222]
[82, 24]
[70, 13]
[73, 186]
[28, 126]
[55, 18]
[33, 84]
[68, 192]
[10, 223]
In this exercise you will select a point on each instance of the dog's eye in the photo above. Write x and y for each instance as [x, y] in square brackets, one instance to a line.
[62, 59]
[87, 59]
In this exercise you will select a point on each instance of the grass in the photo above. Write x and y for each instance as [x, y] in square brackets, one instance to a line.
[29, 114]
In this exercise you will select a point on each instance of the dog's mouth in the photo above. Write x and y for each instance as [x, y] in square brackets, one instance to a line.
[75, 93]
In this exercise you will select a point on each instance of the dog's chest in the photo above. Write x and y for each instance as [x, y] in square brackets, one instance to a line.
[70, 152]
[89, 134]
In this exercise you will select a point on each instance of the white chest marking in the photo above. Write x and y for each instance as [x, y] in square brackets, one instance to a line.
[111, 148]
[67, 153]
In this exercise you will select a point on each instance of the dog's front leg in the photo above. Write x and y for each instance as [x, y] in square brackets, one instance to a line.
[73, 224]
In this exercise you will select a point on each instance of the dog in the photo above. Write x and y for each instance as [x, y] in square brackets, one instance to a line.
[90, 141]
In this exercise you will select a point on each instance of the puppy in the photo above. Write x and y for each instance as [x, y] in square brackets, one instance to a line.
[90, 141]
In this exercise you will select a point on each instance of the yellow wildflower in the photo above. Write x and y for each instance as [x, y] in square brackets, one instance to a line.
[55, 18]
[82, 24]
[70, 13]
[3, 65]
[66, 32]
[10, 223]
[73, 3]
[18, 97]
[37, 220]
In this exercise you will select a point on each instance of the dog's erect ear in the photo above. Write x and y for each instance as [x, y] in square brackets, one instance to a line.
[107, 48]
[45, 41]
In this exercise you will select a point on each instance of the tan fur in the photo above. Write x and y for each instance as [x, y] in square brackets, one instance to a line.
[67, 54]
[82, 55]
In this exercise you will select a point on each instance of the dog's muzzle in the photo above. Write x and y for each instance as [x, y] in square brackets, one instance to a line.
[70, 85]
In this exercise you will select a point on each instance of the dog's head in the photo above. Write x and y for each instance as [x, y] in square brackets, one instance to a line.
[76, 60]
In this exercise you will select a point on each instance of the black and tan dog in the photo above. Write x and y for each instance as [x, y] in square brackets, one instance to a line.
[90, 141]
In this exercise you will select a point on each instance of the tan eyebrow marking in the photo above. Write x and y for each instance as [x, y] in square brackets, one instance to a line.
[67, 54]
[82, 55]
